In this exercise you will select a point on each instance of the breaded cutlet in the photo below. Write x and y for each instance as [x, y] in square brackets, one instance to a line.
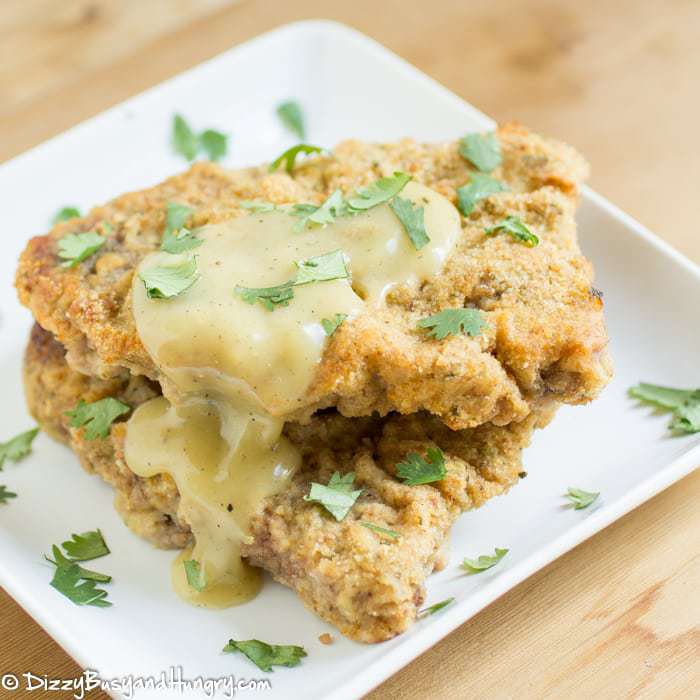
[545, 337]
[367, 584]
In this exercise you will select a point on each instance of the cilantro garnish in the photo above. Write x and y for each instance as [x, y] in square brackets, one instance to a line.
[416, 470]
[264, 655]
[482, 150]
[176, 237]
[411, 218]
[480, 186]
[435, 608]
[322, 268]
[337, 497]
[516, 229]
[166, 281]
[292, 117]
[683, 403]
[475, 566]
[378, 192]
[196, 574]
[6, 495]
[188, 143]
[324, 214]
[453, 322]
[579, 498]
[330, 325]
[65, 214]
[381, 530]
[17, 447]
[290, 155]
[72, 580]
[97, 417]
[257, 206]
[73, 248]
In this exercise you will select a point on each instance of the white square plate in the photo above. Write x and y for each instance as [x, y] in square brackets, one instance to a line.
[348, 86]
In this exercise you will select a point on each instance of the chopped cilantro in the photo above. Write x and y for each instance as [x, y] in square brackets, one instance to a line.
[73, 248]
[68, 581]
[453, 322]
[482, 150]
[176, 237]
[475, 566]
[381, 530]
[416, 470]
[411, 218]
[264, 655]
[435, 608]
[330, 325]
[290, 155]
[188, 143]
[321, 268]
[684, 404]
[88, 545]
[65, 214]
[257, 206]
[292, 117]
[196, 574]
[97, 417]
[480, 186]
[166, 281]
[6, 495]
[378, 192]
[579, 498]
[17, 447]
[516, 229]
[337, 497]
[269, 297]
[60, 560]
[320, 216]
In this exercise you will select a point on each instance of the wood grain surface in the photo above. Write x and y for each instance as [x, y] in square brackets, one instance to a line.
[619, 616]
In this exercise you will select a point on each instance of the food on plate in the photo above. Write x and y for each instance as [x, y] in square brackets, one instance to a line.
[313, 367]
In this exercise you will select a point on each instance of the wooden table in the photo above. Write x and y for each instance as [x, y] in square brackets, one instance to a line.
[619, 616]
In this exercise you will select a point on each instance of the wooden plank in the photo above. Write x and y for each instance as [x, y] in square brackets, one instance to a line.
[619, 616]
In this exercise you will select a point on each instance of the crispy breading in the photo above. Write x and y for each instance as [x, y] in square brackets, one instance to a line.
[545, 337]
[367, 584]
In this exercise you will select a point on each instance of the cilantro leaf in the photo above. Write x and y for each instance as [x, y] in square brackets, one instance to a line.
[435, 608]
[68, 581]
[331, 325]
[184, 140]
[6, 495]
[214, 144]
[73, 248]
[321, 268]
[453, 322]
[337, 497]
[320, 216]
[411, 218]
[17, 447]
[290, 155]
[257, 206]
[416, 470]
[269, 297]
[166, 281]
[61, 560]
[65, 214]
[292, 117]
[684, 403]
[516, 229]
[196, 575]
[188, 143]
[381, 530]
[264, 655]
[482, 150]
[475, 566]
[88, 545]
[579, 498]
[479, 187]
[97, 417]
[177, 238]
[378, 192]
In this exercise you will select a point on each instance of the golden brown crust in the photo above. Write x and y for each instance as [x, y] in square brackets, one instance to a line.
[367, 584]
[546, 331]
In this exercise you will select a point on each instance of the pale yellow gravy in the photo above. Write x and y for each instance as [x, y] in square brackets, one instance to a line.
[233, 371]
